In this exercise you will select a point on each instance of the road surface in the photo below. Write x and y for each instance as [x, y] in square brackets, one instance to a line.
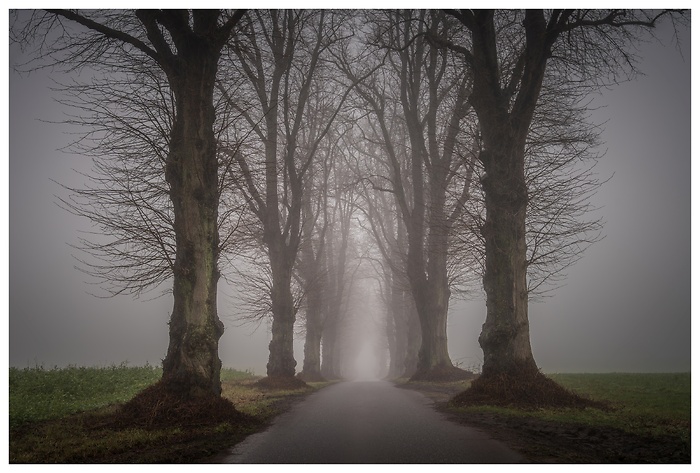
[368, 422]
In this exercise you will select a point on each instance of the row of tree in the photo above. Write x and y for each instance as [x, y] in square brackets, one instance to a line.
[255, 145]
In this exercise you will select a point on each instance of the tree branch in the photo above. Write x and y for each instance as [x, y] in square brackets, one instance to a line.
[110, 33]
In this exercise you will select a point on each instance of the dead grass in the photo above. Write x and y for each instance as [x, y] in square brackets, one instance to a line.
[157, 408]
[284, 383]
[648, 422]
[155, 428]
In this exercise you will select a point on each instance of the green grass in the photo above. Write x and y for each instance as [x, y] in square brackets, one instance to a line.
[660, 395]
[38, 394]
[46, 424]
[49, 408]
[644, 403]
[229, 374]
[655, 404]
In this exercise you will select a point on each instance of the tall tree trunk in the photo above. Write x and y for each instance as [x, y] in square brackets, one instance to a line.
[329, 334]
[311, 370]
[391, 334]
[505, 336]
[432, 314]
[400, 318]
[413, 336]
[192, 365]
[431, 293]
[312, 258]
[328, 348]
[434, 361]
[281, 363]
[504, 98]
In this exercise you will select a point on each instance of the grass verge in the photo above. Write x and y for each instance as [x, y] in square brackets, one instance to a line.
[649, 419]
[55, 417]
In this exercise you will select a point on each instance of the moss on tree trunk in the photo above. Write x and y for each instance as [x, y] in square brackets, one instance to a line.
[192, 364]
[505, 336]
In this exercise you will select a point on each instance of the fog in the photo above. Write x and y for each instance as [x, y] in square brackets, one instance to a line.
[626, 306]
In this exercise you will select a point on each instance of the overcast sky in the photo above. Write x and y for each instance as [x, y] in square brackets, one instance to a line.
[625, 306]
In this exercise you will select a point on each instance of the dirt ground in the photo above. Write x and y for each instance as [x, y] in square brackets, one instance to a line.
[553, 442]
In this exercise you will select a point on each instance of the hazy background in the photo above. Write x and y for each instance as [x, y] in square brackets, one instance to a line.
[625, 306]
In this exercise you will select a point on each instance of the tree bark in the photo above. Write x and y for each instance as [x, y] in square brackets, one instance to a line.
[413, 336]
[311, 370]
[281, 362]
[399, 318]
[192, 365]
[424, 87]
[432, 314]
[505, 336]
[329, 362]
[391, 344]
[186, 46]
[329, 335]
[432, 293]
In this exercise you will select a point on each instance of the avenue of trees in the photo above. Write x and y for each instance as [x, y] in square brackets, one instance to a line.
[299, 154]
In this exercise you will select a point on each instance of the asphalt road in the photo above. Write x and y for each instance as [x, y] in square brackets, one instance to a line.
[368, 422]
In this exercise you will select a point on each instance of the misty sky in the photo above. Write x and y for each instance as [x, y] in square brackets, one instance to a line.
[625, 306]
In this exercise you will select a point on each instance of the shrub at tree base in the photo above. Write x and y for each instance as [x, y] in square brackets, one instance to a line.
[158, 407]
[522, 390]
[443, 374]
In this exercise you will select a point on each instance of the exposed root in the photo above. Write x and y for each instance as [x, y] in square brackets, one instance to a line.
[526, 390]
[158, 407]
[281, 382]
[442, 374]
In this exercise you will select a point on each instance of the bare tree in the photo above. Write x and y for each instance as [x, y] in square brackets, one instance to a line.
[324, 221]
[309, 268]
[122, 123]
[511, 55]
[186, 47]
[402, 318]
[281, 54]
[560, 159]
[383, 222]
[341, 266]
[347, 273]
[424, 171]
